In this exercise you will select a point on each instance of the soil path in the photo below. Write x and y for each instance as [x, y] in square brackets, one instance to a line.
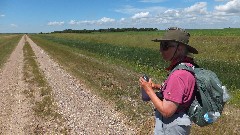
[15, 110]
[84, 112]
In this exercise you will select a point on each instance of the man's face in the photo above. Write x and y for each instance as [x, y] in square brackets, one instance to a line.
[167, 49]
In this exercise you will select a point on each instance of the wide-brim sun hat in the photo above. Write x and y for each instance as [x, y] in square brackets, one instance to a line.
[177, 35]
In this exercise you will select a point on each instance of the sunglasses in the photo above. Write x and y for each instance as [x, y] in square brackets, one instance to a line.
[164, 45]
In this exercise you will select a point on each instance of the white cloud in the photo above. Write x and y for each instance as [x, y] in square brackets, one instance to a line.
[200, 7]
[106, 20]
[2, 15]
[122, 19]
[73, 22]
[55, 23]
[152, 1]
[127, 9]
[140, 15]
[103, 20]
[232, 6]
[194, 16]
[172, 13]
[13, 25]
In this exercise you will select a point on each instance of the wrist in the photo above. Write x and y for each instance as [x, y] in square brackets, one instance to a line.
[155, 86]
[151, 93]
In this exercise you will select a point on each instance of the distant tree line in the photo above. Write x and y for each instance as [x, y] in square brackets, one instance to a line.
[106, 30]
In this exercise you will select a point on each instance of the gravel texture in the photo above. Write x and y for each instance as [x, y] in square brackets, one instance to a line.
[15, 112]
[85, 113]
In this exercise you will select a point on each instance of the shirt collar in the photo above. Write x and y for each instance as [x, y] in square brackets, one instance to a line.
[176, 62]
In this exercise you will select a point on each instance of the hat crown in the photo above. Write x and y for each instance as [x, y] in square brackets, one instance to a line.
[177, 34]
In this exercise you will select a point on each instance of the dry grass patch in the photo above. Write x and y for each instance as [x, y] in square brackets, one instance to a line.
[41, 94]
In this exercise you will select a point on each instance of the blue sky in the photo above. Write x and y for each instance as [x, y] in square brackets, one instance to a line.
[27, 16]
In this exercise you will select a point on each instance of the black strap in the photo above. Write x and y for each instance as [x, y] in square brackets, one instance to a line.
[175, 52]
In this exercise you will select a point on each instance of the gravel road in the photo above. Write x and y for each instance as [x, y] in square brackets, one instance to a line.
[84, 112]
[15, 112]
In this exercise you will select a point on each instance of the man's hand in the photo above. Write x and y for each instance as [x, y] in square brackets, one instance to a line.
[147, 86]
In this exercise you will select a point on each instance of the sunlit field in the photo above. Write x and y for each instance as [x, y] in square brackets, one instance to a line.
[111, 64]
[7, 44]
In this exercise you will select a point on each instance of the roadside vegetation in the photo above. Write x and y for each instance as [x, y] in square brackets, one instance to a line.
[7, 45]
[39, 92]
[111, 64]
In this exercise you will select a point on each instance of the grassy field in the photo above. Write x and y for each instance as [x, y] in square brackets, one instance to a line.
[7, 45]
[111, 64]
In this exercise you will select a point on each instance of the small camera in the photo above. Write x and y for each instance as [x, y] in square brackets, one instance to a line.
[146, 78]
[159, 95]
[145, 96]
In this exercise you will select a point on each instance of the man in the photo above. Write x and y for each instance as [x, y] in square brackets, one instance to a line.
[177, 89]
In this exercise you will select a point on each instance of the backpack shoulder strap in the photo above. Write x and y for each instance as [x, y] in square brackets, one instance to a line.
[184, 66]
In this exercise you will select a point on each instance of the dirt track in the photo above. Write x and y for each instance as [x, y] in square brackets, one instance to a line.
[15, 112]
[84, 112]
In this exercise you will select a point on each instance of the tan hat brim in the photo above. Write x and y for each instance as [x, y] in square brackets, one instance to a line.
[190, 48]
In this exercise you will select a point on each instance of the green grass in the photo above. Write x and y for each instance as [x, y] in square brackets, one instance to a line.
[217, 53]
[215, 32]
[7, 45]
[111, 64]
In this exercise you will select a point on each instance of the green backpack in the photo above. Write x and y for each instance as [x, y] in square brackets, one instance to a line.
[210, 96]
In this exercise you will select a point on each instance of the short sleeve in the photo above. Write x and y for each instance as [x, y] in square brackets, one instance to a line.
[179, 87]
